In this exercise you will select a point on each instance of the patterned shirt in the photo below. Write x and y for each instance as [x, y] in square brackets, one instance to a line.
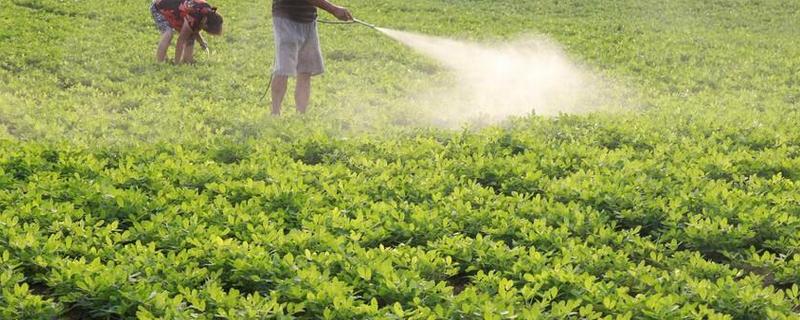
[176, 11]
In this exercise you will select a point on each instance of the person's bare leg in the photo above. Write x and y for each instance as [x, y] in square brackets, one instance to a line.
[302, 92]
[163, 45]
[188, 52]
[279, 84]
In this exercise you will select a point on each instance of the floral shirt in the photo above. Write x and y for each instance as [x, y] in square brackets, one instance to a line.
[176, 11]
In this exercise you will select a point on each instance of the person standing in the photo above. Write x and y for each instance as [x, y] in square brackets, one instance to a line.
[297, 48]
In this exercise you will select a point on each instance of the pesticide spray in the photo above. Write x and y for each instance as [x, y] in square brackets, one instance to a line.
[495, 81]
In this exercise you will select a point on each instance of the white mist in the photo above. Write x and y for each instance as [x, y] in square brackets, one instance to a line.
[506, 79]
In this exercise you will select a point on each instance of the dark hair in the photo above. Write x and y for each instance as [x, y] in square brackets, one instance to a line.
[213, 23]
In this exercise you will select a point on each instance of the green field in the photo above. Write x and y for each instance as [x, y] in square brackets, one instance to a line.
[130, 189]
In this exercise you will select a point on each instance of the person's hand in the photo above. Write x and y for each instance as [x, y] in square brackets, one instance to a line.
[204, 46]
[342, 13]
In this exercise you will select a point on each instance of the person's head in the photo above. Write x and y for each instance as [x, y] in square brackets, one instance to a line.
[213, 22]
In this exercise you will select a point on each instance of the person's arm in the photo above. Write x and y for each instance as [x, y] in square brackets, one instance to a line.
[202, 41]
[340, 13]
[183, 39]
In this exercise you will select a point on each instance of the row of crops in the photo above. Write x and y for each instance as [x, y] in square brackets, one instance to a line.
[546, 220]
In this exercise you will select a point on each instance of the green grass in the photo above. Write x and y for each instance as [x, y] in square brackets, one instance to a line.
[132, 189]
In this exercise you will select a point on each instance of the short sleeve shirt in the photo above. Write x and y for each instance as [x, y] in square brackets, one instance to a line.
[296, 10]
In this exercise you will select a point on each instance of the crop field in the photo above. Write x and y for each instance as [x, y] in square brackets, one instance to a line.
[131, 189]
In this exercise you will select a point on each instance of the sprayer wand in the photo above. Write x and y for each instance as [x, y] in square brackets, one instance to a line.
[354, 21]
[365, 23]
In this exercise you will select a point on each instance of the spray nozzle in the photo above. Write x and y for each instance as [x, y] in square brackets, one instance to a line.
[365, 23]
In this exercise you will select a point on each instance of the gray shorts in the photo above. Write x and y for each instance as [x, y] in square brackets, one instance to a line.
[296, 48]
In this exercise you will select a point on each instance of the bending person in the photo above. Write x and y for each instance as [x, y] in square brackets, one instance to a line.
[187, 17]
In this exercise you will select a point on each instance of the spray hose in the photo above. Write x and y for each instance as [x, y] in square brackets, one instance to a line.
[354, 21]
